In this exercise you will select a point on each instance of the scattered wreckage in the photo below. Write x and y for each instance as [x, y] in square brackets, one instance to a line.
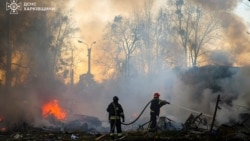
[196, 127]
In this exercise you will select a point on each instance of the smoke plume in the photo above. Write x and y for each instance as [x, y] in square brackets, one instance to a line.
[235, 30]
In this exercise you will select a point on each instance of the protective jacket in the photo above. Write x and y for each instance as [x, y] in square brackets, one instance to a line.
[115, 111]
[156, 104]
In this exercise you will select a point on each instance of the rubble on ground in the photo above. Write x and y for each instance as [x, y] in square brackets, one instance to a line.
[191, 131]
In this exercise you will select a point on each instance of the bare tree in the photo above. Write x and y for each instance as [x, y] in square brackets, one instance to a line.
[182, 26]
[155, 39]
[28, 46]
[11, 35]
[123, 34]
[195, 29]
[142, 42]
[205, 28]
[165, 56]
[60, 28]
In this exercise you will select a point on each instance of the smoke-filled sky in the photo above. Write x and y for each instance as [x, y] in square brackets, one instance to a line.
[93, 16]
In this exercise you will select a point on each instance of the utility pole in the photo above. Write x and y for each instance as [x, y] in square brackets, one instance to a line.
[72, 70]
[89, 64]
[215, 111]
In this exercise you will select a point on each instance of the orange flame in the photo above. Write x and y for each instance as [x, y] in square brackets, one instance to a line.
[52, 108]
[3, 129]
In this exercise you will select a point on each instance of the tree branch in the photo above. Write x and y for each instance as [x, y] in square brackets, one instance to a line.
[25, 67]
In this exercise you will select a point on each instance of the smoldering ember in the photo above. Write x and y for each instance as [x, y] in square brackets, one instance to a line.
[61, 69]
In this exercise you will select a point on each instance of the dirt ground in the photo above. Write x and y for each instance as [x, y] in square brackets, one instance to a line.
[42, 135]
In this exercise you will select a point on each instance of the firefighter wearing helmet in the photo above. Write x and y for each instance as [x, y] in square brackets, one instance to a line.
[115, 111]
[155, 106]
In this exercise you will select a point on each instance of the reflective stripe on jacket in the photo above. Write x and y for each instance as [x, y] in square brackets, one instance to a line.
[115, 111]
[114, 117]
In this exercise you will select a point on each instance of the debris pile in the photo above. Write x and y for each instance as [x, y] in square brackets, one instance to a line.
[192, 130]
[237, 131]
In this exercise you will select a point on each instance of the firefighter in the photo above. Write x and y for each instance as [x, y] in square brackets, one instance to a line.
[155, 106]
[116, 114]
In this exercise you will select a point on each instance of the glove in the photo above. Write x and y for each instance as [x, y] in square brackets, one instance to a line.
[165, 102]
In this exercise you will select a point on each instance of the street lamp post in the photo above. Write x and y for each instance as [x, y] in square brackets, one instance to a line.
[87, 79]
[89, 58]
[89, 54]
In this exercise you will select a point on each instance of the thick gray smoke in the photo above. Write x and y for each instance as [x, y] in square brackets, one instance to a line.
[191, 91]
[196, 91]
[234, 27]
[218, 5]
[221, 58]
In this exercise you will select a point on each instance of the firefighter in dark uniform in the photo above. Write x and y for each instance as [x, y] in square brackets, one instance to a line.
[155, 106]
[115, 111]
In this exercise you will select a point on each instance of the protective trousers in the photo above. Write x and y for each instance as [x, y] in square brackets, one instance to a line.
[153, 122]
[115, 123]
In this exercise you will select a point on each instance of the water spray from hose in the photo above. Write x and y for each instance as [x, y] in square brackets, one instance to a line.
[191, 110]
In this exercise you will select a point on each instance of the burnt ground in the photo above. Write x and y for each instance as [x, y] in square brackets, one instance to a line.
[233, 131]
[237, 132]
[44, 135]
[191, 131]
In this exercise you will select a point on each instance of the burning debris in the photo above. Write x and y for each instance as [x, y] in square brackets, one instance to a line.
[53, 108]
[236, 131]
[2, 126]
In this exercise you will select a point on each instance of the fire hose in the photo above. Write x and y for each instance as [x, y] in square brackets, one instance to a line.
[138, 115]
[181, 107]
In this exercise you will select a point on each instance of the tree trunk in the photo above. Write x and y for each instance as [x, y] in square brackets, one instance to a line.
[8, 73]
